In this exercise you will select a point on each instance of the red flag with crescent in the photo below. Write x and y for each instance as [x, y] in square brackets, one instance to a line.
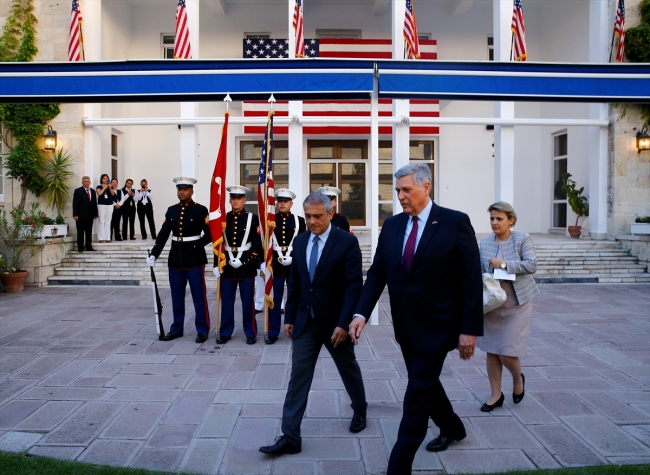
[218, 198]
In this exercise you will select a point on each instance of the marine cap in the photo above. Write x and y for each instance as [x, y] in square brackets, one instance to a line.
[237, 191]
[184, 182]
[330, 191]
[284, 194]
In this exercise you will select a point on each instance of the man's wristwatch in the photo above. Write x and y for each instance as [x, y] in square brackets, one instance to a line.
[503, 265]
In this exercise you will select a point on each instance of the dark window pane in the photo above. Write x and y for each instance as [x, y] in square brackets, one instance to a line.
[491, 54]
[168, 39]
[169, 53]
[352, 153]
[253, 150]
[385, 212]
[321, 174]
[251, 207]
[280, 174]
[322, 152]
[560, 145]
[559, 215]
[490, 40]
[421, 151]
[559, 174]
[114, 145]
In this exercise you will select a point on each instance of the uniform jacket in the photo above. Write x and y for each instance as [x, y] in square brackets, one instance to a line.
[185, 221]
[442, 295]
[336, 287]
[519, 254]
[82, 206]
[129, 201]
[341, 222]
[235, 231]
[285, 224]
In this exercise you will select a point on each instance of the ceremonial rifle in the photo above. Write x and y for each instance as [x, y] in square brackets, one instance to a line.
[157, 303]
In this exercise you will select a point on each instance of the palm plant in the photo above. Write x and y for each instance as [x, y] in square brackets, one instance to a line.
[56, 172]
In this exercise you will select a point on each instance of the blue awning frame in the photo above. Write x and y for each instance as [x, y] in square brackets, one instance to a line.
[303, 79]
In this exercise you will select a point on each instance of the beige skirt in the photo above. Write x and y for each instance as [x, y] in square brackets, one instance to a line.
[505, 329]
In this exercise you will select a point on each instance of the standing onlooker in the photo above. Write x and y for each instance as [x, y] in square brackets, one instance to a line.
[145, 209]
[130, 196]
[117, 211]
[339, 220]
[105, 204]
[506, 327]
[84, 211]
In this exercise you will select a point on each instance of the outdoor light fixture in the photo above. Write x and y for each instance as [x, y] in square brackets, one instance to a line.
[492, 150]
[643, 140]
[50, 139]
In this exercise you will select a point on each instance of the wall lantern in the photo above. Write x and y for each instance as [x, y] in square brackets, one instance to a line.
[643, 140]
[50, 139]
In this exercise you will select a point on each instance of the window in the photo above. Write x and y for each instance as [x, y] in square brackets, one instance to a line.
[113, 168]
[113, 145]
[257, 36]
[167, 43]
[249, 168]
[490, 48]
[331, 33]
[559, 202]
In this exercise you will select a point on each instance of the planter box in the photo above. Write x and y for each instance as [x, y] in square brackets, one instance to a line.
[53, 230]
[640, 228]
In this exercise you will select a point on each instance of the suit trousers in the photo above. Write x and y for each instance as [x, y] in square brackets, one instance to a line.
[275, 314]
[146, 211]
[306, 349]
[178, 280]
[84, 230]
[425, 397]
[128, 216]
[228, 291]
[115, 224]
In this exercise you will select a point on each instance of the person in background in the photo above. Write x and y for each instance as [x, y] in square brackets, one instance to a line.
[506, 328]
[129, 196]
[105, 204]
[84, 211]
[338, 220]
[117, 211]
[145, 210]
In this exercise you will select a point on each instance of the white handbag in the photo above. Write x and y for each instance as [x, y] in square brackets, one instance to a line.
[493, 295]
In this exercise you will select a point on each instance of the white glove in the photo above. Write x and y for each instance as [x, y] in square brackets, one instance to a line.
[286, 261]
[216, 272]
[235, 263]
[150, 261]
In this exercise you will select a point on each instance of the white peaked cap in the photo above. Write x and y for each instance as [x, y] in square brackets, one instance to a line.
[238, 190]
[285, 193]
[330, 191]
[183, 181]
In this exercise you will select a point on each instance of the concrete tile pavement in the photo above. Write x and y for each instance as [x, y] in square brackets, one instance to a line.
[89, 381]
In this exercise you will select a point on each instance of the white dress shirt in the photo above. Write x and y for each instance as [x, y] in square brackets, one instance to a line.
[322, 239]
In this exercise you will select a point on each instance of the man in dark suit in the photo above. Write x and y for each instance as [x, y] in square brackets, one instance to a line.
[84, 211]
[324, 286]
[429, 258]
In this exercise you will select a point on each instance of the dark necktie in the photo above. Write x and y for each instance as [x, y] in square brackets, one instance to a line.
[88, 192]
[313, 258]
[409, 249]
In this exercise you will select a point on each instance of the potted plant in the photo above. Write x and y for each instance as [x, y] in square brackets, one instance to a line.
[50, 227]
[56, 173]
[579, 204]
[641, 225]
[18, 243]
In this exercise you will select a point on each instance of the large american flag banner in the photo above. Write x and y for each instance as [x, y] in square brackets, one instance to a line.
[217, 215]
[619, 30]
[518, 32]
[266, 210]
[75, 44]
[297, 25]
[337, 48]
[182, 47]
[411, 32]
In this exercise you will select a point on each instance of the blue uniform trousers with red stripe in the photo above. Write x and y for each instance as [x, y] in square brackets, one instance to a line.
[178, 280]
[275, 314]
[246, 292]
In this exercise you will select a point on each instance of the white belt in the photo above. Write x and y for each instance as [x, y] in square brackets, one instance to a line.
[283, 248]
[245, 247]
[183, 239]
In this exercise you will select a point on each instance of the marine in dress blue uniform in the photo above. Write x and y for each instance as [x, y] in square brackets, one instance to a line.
[339, 220]
[287, 227]
[187, 222]
[243, 249]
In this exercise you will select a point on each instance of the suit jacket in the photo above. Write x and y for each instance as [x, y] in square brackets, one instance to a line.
[442, 295]
[336, 287]
[82, 206]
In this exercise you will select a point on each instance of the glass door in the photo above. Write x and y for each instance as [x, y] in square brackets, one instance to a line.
[559, 203]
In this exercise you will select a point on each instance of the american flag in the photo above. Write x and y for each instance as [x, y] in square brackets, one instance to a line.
[337, 48]
[75, 45]
[297, 25]
[411, 32]
[218, 198]
[266, 208]
[182, 47]
[619, 30]
[519, 32]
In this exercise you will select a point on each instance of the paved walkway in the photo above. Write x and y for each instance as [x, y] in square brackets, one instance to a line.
[82, 377]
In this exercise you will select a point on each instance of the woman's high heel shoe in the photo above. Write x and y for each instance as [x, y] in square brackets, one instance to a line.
[488, 407]
[516, 398]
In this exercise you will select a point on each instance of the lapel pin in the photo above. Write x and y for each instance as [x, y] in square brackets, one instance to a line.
[435, 222]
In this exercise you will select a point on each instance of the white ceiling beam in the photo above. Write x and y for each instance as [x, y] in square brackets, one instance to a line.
[460, 7]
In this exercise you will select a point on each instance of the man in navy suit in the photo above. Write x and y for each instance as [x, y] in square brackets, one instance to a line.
[429, 258]
[323, 288]
[84, 212]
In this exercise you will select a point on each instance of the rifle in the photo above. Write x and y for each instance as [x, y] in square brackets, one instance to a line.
[157, 303]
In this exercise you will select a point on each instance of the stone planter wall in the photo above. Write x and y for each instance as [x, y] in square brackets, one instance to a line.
[638, 245]
[42, 264]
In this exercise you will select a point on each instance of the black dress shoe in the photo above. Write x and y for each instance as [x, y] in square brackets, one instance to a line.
[91, 250]
[222, 340]
[80, 250]
[270, 340]
[201, 337]
[441, 443]
[516, 398]
[170, 336]
[488, 407]
[282, 446]
[132, 238]
[251, 340]
[144, 237]
[118, 238]
[358, 422]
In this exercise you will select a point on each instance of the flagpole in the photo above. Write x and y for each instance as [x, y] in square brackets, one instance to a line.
[611, 47]
[81, 40]
[217, 322]
[512, 44]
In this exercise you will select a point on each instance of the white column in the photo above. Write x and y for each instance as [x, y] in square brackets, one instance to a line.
[92, 33]
[190, 110]
[373, 173]
[504, 137]
[401, 132]
[598, 53]
[297, 166]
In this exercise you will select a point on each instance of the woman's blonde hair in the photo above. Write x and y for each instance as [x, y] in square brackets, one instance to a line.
[506, 208]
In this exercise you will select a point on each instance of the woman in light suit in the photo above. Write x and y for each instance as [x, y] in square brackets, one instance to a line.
[506, 328]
